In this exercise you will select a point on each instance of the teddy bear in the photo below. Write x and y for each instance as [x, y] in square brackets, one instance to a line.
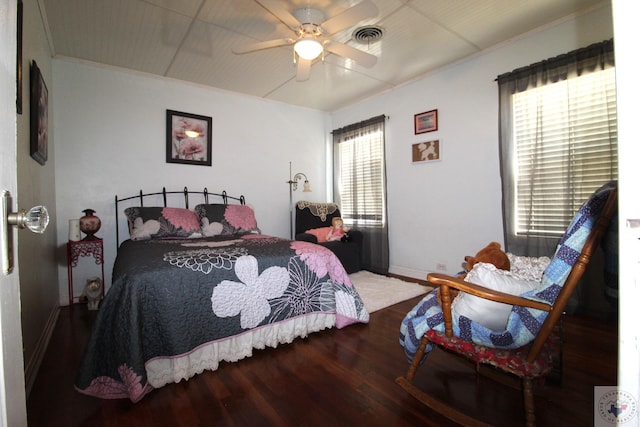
[338, 231]
[490, 254]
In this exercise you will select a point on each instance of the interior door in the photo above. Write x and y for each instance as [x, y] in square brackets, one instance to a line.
[626, 33]
[12, 387]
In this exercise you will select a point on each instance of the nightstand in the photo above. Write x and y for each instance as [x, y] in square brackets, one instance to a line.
[83, 248]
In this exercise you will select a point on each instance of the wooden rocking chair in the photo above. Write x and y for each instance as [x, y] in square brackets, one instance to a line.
[530, 362]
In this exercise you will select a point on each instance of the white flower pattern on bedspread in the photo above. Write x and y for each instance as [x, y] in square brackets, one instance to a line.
[249, 297]
[306, 293]
[323, 262]
[179, 306]
[205, 260]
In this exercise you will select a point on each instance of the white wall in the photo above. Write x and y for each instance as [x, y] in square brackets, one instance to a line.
[441, 211]
[110, 139]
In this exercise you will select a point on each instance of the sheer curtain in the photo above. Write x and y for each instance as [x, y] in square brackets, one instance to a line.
[360, 187]
[558, 143]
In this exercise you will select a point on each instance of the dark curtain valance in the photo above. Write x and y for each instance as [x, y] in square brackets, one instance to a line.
[597, 56]
[359, 125]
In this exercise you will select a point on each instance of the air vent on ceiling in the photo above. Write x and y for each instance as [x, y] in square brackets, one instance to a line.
[367, 34]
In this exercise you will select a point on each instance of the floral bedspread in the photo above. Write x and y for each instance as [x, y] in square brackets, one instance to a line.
[177, 307]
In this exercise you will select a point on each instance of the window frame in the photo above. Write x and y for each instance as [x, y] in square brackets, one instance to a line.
[361, 147]
[569, 152]
[595, 57]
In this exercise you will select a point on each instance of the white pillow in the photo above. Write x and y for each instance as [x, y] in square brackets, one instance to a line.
[490, 314]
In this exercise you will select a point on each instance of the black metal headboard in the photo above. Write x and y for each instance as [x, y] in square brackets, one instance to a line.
[204, 195]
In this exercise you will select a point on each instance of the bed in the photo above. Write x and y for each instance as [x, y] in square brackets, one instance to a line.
[186, 296]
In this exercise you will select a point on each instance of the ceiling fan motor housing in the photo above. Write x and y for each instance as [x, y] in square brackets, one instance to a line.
[310, 20]
[309, 31]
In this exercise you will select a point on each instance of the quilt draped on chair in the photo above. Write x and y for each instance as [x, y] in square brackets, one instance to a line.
[523, 323]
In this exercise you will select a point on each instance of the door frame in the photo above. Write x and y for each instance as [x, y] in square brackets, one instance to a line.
[13, 410]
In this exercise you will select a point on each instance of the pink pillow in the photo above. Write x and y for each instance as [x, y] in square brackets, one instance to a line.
[320, 233]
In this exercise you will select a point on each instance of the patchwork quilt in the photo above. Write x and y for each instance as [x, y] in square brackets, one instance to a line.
[523, 323]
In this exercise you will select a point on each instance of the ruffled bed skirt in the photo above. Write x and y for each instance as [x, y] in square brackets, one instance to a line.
[165, 370]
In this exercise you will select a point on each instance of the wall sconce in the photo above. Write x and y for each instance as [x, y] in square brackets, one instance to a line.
[293, 186]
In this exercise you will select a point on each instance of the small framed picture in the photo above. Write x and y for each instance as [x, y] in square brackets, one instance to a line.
[426, 122]
[428, 151]
[39, 115]
[188, 138]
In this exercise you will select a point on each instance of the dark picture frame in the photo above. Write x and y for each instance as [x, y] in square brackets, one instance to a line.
[39, 115]
[427, 151]
[19, 60]
[189, 138]
[425, 122]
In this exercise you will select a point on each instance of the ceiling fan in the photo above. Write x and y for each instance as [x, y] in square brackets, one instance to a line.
[312, 34]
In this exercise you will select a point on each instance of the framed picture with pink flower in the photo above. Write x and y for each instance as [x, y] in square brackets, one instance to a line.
[188, 138]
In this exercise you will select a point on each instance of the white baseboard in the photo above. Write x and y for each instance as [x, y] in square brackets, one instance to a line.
[33, 365]
[408, 272]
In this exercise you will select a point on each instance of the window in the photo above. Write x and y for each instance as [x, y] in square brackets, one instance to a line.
[566, 147]
[558, 143]
[360, 189]
[359, 177]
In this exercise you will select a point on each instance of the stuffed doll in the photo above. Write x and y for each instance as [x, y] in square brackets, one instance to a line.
[338, 230]
[490, 254]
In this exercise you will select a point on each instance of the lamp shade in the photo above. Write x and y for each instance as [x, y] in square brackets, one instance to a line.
[308, 48]
[306, 188]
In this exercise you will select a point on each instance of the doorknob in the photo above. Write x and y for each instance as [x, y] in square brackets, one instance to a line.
[35, 219]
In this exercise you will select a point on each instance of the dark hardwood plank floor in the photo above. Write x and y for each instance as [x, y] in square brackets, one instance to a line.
[334, 377]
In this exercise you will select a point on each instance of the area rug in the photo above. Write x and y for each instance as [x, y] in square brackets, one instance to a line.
[378, 292]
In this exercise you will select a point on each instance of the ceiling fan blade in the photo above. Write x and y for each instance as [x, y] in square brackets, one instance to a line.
[276, 9]
[363, 10]
[303, 70]
[363, 58]
[262, 45]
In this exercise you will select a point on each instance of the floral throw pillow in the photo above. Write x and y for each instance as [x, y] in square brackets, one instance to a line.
[162, 222]
[226, 220]
[528, 268]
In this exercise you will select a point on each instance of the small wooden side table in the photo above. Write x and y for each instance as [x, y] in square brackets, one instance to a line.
[83, 248]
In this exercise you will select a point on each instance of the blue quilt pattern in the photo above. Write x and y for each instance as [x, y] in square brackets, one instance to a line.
[523, 323]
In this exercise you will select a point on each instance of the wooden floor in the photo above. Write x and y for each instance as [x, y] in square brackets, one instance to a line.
[332, 378]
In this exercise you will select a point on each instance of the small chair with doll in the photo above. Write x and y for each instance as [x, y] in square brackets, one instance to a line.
[322, 223]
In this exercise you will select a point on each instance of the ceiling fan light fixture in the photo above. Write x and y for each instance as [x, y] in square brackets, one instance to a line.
[308, 48]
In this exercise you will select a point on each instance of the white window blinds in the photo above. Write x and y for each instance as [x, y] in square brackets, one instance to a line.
[359, 173]
[564, 132]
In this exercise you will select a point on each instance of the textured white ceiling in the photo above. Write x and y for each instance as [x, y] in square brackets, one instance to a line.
[192, 40]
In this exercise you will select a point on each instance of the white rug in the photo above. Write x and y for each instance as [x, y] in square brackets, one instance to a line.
[379, 291]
